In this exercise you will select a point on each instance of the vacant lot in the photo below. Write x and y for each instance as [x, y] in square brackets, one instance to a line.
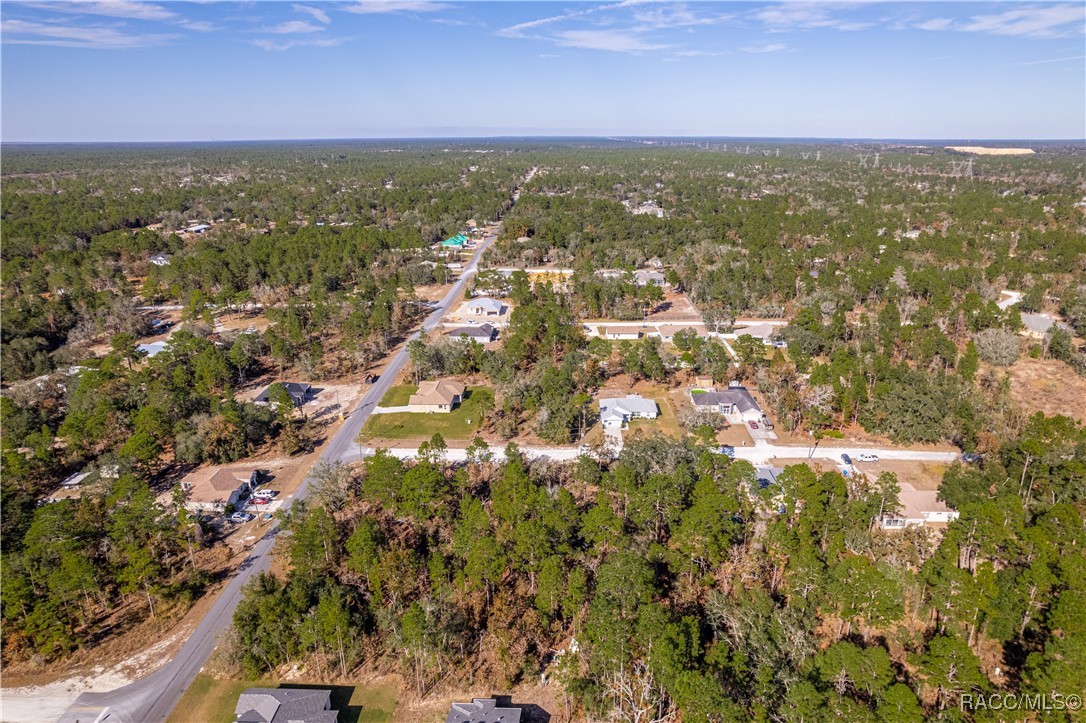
[461, 423]
[921, 475]
[1049, 386]
[209, 700]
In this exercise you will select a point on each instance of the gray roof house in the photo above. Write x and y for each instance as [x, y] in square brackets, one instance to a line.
[160, 259]
[299, 393]
[482, 710]
[285, 705]
[735, 400]
[1037, 325]
[644, 278]
[484, 306]
[618, 411]
[481, 333]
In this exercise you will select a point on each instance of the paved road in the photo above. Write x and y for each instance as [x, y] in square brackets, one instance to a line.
[152, 698]
[759, 454]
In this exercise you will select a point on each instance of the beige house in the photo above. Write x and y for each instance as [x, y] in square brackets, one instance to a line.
[211, 490]
[620, 332]
[436, 397]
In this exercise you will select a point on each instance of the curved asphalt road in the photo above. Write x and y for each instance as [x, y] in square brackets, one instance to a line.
[152, 698]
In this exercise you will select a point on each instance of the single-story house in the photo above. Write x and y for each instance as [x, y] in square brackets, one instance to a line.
[483, 306]
[198, 228]
[299, 393]
[644, 278]
[153, 348]
[210, 490]
[611, 273]
[918, 508]
[440, 396]
[668, 331]
[285, 705]
[74, 480]
[761, 332]
[483, 333]
[735, 402]
[160, 259]
[455, 242]
[616, 412]
[482, 710]
[620, 332]
[1037, 325]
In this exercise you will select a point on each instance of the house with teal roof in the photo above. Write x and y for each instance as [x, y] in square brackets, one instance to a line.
[456, 241]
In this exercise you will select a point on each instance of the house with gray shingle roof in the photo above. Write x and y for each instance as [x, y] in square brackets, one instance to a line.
[285, 705]
[482, 710]
[735, 401]
[616, 412]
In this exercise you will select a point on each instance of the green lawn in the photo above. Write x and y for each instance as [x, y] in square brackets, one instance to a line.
[398, 396]
[412, 425]
[209, 700]
[666, 423]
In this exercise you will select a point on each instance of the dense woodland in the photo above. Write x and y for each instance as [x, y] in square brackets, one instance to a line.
[689, 594]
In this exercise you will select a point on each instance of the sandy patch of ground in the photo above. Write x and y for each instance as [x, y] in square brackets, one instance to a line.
[983, 151]
[34, 703]
[912, 474]
[675, 307]
[433, 292]
[1049, 386]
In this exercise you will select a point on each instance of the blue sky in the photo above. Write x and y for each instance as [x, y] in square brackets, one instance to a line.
[122, 70]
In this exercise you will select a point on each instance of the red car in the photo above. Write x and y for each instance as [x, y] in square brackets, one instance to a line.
[753, 425]
[260, 501]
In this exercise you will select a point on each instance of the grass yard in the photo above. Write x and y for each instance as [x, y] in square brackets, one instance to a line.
[667, 423]
[398, 396]
[209, 700]
[413, 425]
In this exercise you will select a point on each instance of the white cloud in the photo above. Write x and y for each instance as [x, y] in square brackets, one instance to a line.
[290, 27]
[317, 14]
[21, 32]
[281, 45]
[1032, 21]
[368, 7]
[807, 16]
[617, 41]
[699, 53]
[936, 24]
[129, 9]
[1052, 60]
[767, 48]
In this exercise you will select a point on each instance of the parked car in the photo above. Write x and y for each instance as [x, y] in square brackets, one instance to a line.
[767, 422]
[753, 424]
[764, 483]
[261, 501]
[265, 494]
[846, 459]
[970, 457]
[866, 457]
[240, 517]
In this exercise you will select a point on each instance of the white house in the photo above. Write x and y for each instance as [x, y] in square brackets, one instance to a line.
[644, 278]
[153, 348]
[160, 259]
[616, 412]
[483, 306]
[918, 508]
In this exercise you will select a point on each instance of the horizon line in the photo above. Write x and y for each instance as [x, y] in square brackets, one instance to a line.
[618, 138]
